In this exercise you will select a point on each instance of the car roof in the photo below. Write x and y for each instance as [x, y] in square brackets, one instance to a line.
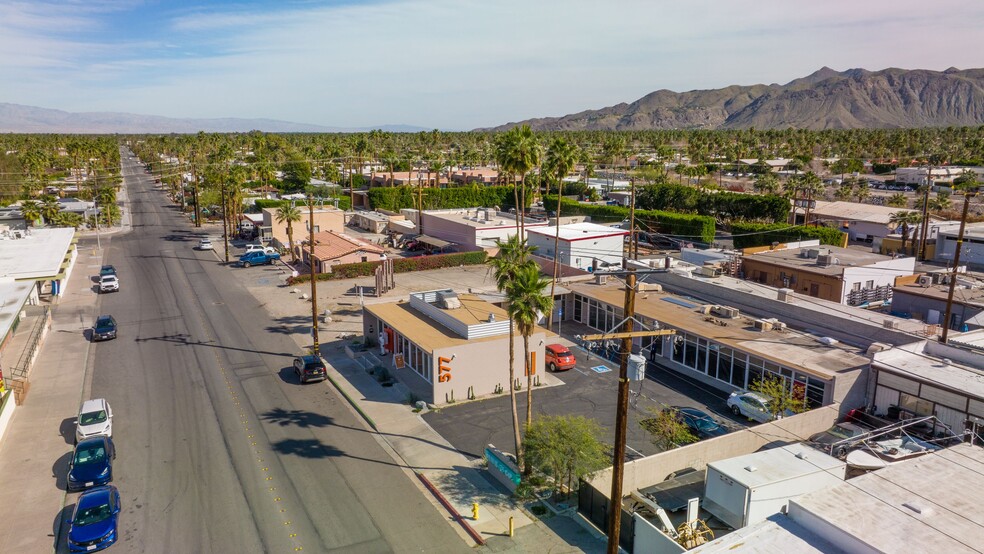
[95, 496]
[693, 411]
[755, 395]
[557, 347]
[309, 358]
[93, 405]
[104, 317]
[92, 440]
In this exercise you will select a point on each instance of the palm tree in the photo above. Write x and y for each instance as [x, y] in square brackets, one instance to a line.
[527, 304]
[862, 191]
[517, 153]
[562, 156]
[289, 214]
[513, 255]
[49, 208]
[904, 220]
[767, 183]
[897, 200]
[31, 210]
[843, 193]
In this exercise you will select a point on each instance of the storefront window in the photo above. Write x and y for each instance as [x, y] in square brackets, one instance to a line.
[701, 356]
[724, 364]
[678, 349]
[690, 353]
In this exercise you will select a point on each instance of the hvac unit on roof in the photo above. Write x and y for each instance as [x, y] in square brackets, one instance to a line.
[785, 295]
[826, 260]
[725, 311]
[925, 281]
[890, 324]
[762, 325]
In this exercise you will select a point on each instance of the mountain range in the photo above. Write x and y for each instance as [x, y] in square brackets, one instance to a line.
[826, 99]
[16, 118]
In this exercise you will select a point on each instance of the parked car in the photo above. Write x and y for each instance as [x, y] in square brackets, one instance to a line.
[258, 258]
[700, 423]
[92, 463]
[109, 283]
[752, 405]
[95, 520]
[107, 270]
[310, 368]
[205, 244]
[95, 419]
[836, 441]
[260, 248]
[104, 328]
[558, 357]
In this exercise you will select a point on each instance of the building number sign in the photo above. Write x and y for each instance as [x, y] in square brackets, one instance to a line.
[443, 369]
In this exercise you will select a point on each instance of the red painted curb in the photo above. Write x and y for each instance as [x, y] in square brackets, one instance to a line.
[447, 506]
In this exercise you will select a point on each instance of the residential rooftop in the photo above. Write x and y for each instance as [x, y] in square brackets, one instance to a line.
[482, 218]
[329, 245]
[961, 294]
[580, 231]
[846, 257]
[852, 211]
[40, 254]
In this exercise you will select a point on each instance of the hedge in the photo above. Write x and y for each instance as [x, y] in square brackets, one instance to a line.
[400, 265]
[696, 228]
[723, 204]
[344, 203]
[395, 199]
[747, 235]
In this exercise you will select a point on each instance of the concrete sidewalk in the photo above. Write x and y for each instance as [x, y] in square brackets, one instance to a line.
[36, 449]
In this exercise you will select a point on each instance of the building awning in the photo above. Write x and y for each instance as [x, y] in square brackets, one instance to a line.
[431, 241]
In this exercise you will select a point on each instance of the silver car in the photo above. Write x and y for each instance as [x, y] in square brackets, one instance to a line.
[95, 418]
[752, 405]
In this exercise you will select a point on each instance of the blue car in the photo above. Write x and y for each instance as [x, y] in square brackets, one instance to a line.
[95, 521]
[92, 463]
[700, 423]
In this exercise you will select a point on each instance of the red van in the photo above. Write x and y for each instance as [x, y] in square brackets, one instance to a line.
[558, 357]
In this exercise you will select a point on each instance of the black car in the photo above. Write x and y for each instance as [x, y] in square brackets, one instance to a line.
[700, 423]
[310, 368]
[107, 270]
[104, 328]
[838, 439]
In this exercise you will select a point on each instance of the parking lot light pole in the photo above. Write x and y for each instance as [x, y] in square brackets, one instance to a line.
[316, 348]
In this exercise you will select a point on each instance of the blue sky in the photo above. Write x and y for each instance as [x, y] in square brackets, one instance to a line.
[450, 64]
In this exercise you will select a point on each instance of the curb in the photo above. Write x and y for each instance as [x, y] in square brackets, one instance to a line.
[352, 401]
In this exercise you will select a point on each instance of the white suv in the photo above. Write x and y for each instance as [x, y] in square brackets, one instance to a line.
[109, 283]
[95, 418]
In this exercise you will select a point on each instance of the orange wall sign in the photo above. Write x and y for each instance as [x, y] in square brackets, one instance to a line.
[443, 369]
[531, 368]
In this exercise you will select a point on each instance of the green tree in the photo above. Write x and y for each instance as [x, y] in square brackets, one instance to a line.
[527, 304]
[49, 208]
[517, 153]
[903, 222]
[844, 193]
[513, 256]
[289, 215]
[297, 173]
[31, 210]
[862, 191]
[897, 200]
[566, 448]
[667, 430]
[767, 183]
[781, 397]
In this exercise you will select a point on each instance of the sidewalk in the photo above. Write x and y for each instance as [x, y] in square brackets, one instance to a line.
[36, 449]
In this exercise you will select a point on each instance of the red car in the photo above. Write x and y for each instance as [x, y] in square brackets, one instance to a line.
[558, 357]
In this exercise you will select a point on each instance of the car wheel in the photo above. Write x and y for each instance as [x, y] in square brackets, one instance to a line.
[736, 410]
[841, 453]
[553, 367]
[246, 264]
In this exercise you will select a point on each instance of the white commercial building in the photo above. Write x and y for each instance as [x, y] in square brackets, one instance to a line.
[581, 245]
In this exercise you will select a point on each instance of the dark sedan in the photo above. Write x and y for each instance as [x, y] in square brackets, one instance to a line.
[838, 439]
[104, 328]
[310, 368]
[92, 463]
[700, 423]
[95, 521]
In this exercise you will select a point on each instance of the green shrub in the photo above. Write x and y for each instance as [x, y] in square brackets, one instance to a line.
[696, 228]
[747, 235]
[395, 199]
[400, 265]
[724, 205]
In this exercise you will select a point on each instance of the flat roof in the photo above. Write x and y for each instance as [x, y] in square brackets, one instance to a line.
[926, 504]
[789, 348]
[580, 231]
[962, 295]
[371, 215]
[778, 464]
[777, 535]
[431, 335]
[847, 257]
[852, 211]
[477, 218]
[39, 255]
[927, 367]
[15, 295]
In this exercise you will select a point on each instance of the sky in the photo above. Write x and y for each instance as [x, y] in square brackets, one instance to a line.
[448, 64]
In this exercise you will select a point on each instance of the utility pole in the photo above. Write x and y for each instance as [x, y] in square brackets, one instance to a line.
[225, 215]
[956, 261]
[316, 349]
[194, 179]
[632, 229]
[925, 215]
[621, 417]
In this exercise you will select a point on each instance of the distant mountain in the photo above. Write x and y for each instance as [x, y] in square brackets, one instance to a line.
[827, 99]
[16, 118]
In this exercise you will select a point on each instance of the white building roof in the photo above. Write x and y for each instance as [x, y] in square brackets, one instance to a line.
[15, 295]
[852, 211]
[924, 361]
[776, 535]
[579, 231]
[36, 256]
[778, 464]
[927, 504]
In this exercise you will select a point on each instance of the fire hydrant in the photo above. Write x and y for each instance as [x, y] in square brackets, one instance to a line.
[475, 511]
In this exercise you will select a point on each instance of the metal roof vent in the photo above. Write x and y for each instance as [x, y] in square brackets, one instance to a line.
[751, 469]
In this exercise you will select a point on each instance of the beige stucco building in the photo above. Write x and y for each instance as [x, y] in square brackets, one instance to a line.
[440, 341]
[325, 219]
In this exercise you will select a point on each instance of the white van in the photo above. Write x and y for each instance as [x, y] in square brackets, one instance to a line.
[260, 248]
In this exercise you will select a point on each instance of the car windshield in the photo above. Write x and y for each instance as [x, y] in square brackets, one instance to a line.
[104, 323]
[91, 418]
[842, 432]
[705, 423]
[93, 514]
[90, 454]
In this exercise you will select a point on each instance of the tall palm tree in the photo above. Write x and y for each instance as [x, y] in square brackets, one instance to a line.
[527, 304]
[290, 215]
[562, 156]
[904, 221]
[517, 153]
[513, 255]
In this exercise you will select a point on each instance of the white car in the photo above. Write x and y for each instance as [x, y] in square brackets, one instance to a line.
[205, 244]
[109, 283]
[752, 405]
[95, 418]
[260, 248]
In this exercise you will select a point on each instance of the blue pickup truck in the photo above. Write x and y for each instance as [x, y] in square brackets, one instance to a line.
[258, 258]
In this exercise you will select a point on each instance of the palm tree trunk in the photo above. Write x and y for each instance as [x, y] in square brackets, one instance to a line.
[556, 265]
[290, 242]
[512, 396]
[529, 381]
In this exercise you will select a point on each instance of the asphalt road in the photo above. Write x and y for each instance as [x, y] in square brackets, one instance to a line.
[219, 448]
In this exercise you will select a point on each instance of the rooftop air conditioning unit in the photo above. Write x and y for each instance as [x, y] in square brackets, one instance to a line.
[448, 300]
[725, 311]
[705, 309]
[826, 260]
[710, 271]
[762, 325]
[925, 281]
[890, 324]
[601, 279]
[650, 287]
[785, 295]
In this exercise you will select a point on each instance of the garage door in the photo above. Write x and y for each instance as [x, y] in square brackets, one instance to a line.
[885, 397]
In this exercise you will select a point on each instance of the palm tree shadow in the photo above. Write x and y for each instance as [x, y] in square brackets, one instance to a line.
[300, 418]
[183, 340]
[315, 449]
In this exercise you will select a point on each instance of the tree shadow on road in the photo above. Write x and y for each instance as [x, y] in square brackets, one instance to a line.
[291, 325]
[183, 340]
[315, 449]
[300, 418]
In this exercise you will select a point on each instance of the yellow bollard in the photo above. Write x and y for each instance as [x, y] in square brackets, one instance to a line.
[475, 511]
[510, 526]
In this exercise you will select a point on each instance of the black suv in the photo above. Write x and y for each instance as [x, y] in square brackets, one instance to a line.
[104, 329]
[310, 368]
